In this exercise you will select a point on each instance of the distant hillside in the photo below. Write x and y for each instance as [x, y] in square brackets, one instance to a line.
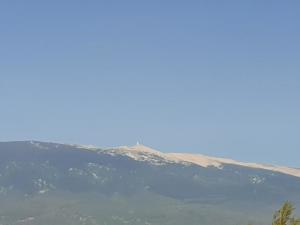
[50, 183]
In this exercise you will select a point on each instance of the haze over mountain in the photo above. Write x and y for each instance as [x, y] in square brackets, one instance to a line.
[51, 183]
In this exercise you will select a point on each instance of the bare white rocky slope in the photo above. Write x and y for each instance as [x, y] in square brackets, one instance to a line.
[143, 153]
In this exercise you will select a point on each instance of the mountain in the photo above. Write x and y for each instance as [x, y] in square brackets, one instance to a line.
[51, 183]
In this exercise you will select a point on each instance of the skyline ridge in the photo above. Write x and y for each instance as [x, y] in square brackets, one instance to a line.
[137, 152]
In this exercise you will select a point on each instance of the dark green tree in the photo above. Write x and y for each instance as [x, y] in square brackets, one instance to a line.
[284, 216]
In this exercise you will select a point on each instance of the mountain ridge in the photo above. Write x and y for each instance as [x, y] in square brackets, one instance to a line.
[133, 185]
[141, 152]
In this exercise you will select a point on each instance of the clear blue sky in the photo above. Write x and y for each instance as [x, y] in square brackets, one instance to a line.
[215, 77]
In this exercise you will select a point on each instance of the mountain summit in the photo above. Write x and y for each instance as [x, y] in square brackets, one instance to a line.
[144, 153]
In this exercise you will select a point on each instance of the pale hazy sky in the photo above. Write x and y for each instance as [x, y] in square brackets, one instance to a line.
[215, 77]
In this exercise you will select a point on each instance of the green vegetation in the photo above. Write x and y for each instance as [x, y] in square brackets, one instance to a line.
[285, 215]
